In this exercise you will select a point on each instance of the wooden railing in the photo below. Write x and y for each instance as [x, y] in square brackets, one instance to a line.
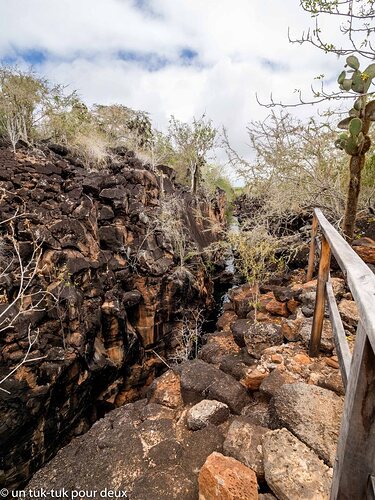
[354, 468]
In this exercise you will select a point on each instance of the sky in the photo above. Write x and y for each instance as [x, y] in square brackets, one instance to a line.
[180, 57]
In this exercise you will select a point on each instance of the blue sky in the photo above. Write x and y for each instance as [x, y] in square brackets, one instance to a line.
[181, 57]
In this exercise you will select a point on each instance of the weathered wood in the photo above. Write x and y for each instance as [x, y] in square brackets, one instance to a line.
[317, 326]
[341, 343]
[310, 267]
[371, 487]
[355, 458]
[360, 278]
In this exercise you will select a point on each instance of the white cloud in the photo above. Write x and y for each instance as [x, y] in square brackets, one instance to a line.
[82, 41]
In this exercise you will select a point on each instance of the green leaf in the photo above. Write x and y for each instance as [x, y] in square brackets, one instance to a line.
[370, 71]
[358, 84]
[355, 126]
[351, 146]
[347, 84]
[341, 77]
[353, 62]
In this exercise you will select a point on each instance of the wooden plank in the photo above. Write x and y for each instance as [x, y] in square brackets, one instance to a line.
[310, 267]
[355, 457]
[317, 326]
[341, 343]
[360, 278]
[371, 487]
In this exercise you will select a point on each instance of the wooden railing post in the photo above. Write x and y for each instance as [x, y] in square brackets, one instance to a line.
[310, 267]
[355, 457]
[317, 326]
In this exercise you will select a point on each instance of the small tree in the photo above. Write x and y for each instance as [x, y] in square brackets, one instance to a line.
[256, 259]
[22, 99]
[125, 125]
[191, 144]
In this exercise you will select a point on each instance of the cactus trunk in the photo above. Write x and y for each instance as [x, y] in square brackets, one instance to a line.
[356, 164]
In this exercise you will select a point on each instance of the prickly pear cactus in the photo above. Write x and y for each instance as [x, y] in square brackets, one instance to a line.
[356, 141]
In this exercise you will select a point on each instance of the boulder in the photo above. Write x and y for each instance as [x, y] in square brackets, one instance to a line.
[327, 342]
[224, 478]
[254, 377]
[200, 380]
[349, 312]
[239, 329]
[282, 293]
[332, 381]
[244, 443]
[166, 390]
[236, 365]
[277, 308]
[339, 286]
[290, 328]
[165, 484]
[365, 248]
[225, 320]
[292, 470]
[260, 336]
[198, 445]
[258, 412]
[219, 345]
[242, 299]
[276, 379]
[293, 305]
[313, 414]
[207, 412]
[96, 461]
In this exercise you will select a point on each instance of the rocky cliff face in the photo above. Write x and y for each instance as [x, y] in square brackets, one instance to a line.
[108, 292]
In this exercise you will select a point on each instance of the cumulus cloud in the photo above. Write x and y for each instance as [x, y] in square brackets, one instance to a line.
[184, 57]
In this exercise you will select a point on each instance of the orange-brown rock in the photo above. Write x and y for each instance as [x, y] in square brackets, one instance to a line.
[224, 478]
[254, 378]
[277, 308]
[349, 312]
[277, 358]
[332, 362]
[301, 359]
[290, 328]
[365, 248]
[225, 320]
[264, 299]
[293, 305]
[275, 380]
[243, 299]
[309, 285]
[166, 390]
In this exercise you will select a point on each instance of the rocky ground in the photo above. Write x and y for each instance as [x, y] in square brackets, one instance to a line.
[253, 417]
[111, 294]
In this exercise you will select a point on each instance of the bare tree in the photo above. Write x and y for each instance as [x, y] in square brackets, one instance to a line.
[294, 166]
[27, 298]
[357, 28]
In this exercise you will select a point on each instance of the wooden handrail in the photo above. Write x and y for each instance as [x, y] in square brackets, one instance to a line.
[354, 469]
[360, 278]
